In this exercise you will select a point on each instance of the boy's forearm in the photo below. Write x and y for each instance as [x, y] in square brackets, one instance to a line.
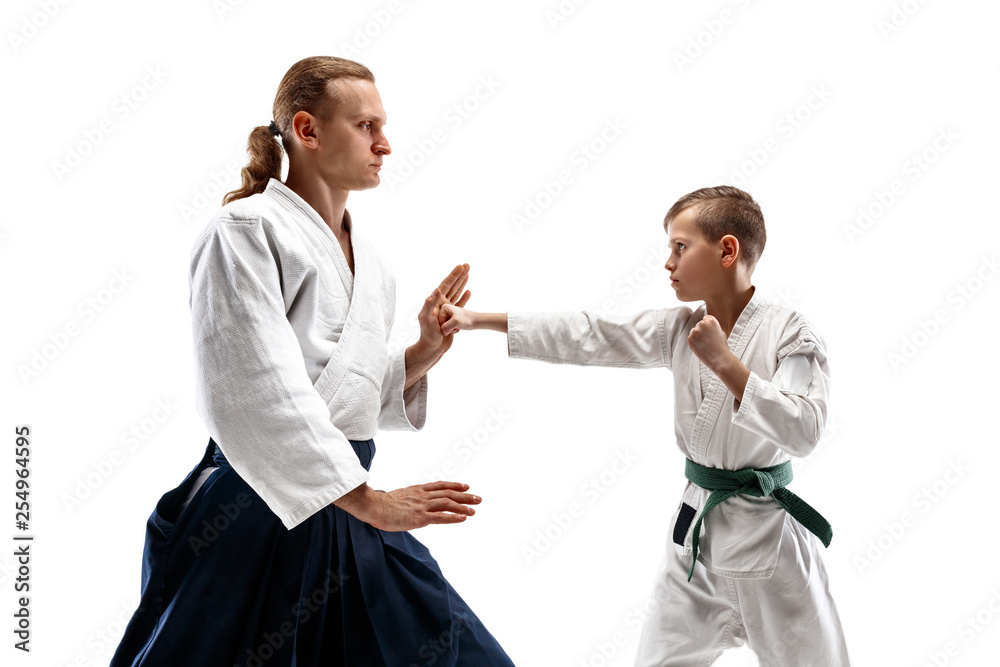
[734, 374]
[491, 321]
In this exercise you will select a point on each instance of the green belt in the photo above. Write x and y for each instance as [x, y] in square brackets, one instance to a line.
[756, 482]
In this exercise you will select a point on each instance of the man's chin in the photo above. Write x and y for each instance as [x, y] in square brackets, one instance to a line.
[367, 185]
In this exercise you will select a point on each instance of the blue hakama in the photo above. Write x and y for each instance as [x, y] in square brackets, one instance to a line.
[225, 584]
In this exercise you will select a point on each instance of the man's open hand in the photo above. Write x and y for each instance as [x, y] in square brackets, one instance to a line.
[410, 507]
[432, 340]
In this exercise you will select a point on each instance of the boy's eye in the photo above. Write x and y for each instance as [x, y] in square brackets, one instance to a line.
[680, 246]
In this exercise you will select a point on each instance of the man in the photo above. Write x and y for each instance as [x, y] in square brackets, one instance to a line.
[274, 550]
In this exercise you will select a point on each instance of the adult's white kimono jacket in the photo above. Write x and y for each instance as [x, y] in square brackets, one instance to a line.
[291, 354]
[781, 413]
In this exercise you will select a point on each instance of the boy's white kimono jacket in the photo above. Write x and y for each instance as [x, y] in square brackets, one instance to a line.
[291, 356]
[781, 414]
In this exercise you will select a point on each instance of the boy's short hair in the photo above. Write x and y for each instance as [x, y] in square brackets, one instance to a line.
[726, 210]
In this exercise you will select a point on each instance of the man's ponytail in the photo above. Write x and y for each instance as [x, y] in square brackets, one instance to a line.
[265, 163]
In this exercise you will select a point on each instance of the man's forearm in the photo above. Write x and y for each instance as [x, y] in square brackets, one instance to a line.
[358, 502]
[418, 361]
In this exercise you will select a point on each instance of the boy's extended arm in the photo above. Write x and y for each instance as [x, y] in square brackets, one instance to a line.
[490, 321]
[580, 338]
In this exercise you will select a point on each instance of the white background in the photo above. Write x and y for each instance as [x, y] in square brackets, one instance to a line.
[815, 109]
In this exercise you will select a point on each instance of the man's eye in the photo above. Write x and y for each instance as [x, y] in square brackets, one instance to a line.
[366, 125]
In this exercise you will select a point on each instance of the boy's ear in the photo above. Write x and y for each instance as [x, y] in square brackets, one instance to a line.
[730, 246]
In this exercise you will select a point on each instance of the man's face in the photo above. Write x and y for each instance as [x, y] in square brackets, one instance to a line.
[352, 143]
[694, 263]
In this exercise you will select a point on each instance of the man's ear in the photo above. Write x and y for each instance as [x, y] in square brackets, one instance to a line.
[729, 245]
[304, 129]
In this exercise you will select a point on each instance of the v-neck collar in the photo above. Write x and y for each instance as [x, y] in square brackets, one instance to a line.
[743, 322]
[291, 200]
[714, 390]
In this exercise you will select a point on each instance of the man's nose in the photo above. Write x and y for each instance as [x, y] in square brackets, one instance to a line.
[381, 147]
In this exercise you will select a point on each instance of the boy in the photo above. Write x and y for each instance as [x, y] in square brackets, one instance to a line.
[751, 384]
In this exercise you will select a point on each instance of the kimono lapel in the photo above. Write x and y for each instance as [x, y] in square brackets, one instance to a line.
[357, 287]
[331, 243]
[364, 282]
[715, 392]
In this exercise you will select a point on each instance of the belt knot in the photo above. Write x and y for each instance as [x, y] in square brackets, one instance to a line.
[763, 481]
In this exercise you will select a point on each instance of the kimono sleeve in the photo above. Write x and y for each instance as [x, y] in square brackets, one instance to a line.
[401, 410]
[676, 325]
[589, 339]
[790, 410]
[252, 388]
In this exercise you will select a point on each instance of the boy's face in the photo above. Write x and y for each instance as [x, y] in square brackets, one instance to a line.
[694, 264]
